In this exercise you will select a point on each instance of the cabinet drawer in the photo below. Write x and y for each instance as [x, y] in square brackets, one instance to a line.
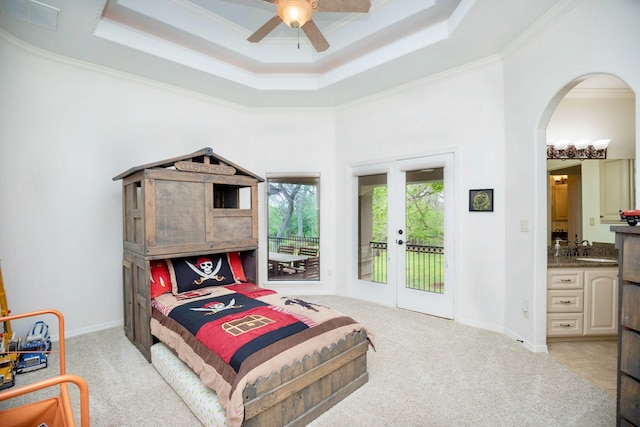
[564, 324]
[630, 260]
[630, 303]
[629, 400]
[564, 279]
[565, 301]
[629, 351]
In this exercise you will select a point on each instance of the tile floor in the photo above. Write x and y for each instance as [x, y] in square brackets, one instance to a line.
[595, 360]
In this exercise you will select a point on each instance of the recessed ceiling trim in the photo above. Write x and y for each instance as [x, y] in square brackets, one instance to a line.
[144, 43]
[218, 31]
[380, 56]
[31, 11]
[267, 81]
[342, 30]
[285, 77]
[459, 13]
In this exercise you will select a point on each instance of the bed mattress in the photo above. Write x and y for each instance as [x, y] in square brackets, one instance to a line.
[202, 401]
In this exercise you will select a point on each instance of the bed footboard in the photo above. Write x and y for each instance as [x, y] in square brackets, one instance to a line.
[300, 393]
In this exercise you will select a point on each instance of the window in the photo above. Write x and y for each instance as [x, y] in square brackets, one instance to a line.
[293, 219]
[372, 227]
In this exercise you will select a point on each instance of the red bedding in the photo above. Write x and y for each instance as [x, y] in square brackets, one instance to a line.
[232, 335]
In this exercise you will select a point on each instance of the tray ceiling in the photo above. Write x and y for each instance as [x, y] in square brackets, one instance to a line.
[201, 45]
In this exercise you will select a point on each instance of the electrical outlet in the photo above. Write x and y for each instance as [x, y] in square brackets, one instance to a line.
[524, 225]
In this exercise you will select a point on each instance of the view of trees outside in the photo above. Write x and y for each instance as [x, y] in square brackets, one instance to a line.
[424, 213]
[293, 208]
[380, 209]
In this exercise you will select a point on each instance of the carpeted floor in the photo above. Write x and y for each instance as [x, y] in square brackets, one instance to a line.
[426, 371]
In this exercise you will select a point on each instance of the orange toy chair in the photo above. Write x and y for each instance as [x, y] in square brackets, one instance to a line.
[52, 412]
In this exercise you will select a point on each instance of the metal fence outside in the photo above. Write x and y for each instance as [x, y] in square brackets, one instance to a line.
[296, 242]
[425, 266]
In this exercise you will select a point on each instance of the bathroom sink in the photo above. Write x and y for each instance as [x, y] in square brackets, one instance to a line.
[590, 259]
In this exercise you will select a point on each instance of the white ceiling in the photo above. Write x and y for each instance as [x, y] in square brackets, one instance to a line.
[201, 45]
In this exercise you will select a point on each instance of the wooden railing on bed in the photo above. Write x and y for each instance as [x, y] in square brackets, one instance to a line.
[300, 393]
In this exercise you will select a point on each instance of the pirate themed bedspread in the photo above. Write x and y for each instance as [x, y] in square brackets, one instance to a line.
[231, 335]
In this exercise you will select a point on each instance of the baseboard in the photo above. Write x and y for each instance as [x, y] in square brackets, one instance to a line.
[94, 328]
[480, 325]
[526, 344]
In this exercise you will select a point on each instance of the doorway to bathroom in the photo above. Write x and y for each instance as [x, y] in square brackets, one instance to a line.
[583, 199]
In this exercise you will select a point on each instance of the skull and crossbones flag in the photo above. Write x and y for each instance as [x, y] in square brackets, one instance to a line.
[191, 273]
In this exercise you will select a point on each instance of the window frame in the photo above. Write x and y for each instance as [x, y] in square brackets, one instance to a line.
[306, 178]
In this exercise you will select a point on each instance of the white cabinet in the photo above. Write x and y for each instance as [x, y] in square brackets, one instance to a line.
[559, 203]
[565, 294]
[616, 189]
[601, 302]
[582, 302]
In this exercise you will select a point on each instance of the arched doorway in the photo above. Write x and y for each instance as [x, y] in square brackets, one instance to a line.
[579, 193]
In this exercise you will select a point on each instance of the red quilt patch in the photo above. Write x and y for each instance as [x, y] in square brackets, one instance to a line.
[227, 335]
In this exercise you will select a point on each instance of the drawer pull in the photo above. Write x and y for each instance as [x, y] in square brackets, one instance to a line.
[565, 325]
[566, 301]
[566, 280]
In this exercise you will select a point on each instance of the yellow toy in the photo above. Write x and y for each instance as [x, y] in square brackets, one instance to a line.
[8, 347]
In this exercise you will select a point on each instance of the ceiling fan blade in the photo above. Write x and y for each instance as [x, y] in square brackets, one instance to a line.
[269, 26]
[357, 6]
[315, 36]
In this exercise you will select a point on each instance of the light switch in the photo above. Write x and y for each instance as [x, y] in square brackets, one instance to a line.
[592, 222]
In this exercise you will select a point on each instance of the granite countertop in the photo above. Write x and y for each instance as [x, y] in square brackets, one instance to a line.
[564, 261]
[596, 250]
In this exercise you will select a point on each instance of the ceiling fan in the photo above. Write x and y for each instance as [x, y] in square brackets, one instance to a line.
[297, 14]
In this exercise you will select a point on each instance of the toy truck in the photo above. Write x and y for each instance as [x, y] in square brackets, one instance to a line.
[8, 357]
[34, 349]
[631, 216]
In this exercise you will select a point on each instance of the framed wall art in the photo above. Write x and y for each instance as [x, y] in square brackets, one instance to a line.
[481, 200]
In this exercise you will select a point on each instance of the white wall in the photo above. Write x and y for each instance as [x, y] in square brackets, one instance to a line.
[591, 37]
[459, 112]
[67, 129]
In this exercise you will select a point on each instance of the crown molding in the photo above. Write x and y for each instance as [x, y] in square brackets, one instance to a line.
[538, 27]
[601, 93]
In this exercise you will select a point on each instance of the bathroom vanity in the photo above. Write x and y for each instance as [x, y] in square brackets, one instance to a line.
[582, 298]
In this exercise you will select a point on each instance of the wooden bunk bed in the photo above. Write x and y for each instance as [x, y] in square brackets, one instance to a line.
[196, 209]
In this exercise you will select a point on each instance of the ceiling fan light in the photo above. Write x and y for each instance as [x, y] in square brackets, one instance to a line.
[295, 13]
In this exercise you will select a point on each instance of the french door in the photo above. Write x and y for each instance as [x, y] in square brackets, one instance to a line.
[405, 234]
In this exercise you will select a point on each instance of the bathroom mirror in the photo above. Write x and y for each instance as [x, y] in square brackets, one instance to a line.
[584, 196]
